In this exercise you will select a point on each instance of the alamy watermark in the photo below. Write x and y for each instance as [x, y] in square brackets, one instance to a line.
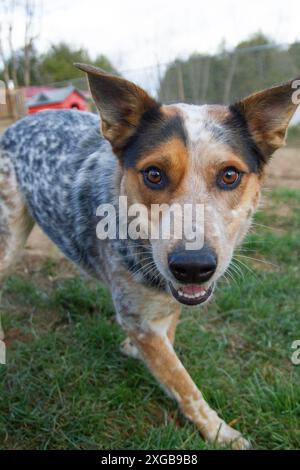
[157, 222]
[296, 94]
[296, 354]
[2, 92]
[2, 344]
[2, 352]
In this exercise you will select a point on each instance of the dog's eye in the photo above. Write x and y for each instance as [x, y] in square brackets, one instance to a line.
[229, 178]
[153, 177]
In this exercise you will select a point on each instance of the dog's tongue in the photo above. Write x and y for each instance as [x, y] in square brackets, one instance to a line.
[192, 289]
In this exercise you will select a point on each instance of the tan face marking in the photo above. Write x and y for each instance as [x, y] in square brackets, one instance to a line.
[255, 127]
[261, 118]
[192, 172]
[170, 157]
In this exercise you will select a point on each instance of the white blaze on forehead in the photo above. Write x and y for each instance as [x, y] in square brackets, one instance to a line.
[198, 122]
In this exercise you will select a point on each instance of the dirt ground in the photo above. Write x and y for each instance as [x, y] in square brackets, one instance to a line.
[284, 169]
[4, 123]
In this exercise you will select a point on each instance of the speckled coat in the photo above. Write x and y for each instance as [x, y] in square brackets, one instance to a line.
[56, 168]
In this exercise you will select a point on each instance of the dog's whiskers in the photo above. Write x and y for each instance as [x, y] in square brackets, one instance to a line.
[142, 268]
[258, 260]
[246, 266]
[230, 274]
[237, 269]
[268, 227]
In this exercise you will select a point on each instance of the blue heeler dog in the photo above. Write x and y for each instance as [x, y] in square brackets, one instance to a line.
[57, 168]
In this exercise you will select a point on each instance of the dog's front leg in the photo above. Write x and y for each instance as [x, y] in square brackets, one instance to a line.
[149, 319]
[160, 357]
[129, 349]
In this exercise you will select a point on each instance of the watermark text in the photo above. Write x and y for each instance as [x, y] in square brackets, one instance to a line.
[2, 352]
[296, 354]
[158, 222]
[296, 94]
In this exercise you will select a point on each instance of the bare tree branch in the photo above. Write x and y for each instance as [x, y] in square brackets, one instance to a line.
[12, 4]
[3, 58]
[29, 12]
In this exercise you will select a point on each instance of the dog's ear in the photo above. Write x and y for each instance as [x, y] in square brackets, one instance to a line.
[268, 114]
[120, 102]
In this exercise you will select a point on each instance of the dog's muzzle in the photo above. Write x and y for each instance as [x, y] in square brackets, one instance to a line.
[192, 269]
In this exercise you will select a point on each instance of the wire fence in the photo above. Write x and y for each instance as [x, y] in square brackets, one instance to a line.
[221, 78]
[215, 78]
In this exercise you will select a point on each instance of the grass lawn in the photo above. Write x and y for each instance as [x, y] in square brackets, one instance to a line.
[66, 386]
[294, 136]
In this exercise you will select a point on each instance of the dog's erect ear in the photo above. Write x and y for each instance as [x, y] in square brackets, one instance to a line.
[268, 114]
[121, 104]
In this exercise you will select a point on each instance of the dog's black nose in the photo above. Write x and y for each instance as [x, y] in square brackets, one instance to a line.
[193, 266]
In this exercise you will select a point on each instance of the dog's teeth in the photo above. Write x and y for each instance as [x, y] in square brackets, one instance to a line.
[192, 296]
[196, 295]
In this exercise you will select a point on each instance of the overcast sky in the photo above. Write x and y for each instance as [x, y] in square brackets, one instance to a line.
[139, 33]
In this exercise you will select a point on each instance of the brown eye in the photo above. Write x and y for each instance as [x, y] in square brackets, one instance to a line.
[154, 175]
[229, 178]
[154, 178]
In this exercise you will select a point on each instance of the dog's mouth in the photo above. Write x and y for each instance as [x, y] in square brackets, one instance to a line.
[191, 294]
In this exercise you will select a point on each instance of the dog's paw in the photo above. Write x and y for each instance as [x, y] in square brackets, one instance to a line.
[129, 349]
[227, 436]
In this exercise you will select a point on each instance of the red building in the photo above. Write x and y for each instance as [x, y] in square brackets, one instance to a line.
[58, 98]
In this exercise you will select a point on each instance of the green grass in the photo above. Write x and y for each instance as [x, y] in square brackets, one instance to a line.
[66, 386]
[294, 136]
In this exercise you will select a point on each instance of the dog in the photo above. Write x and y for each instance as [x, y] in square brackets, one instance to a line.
[57, 168]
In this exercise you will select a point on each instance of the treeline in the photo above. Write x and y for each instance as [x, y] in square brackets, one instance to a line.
[21, 64]
[55, 65]
[222, 78]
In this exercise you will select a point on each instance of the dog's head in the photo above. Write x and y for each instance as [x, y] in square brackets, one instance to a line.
[210, 156]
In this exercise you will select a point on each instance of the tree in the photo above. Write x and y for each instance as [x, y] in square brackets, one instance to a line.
[30, 10]
[24, 65]
[253, 64]
[18, 67]
[9, 56]
[294, 52]
[58, 63]
[104, 63]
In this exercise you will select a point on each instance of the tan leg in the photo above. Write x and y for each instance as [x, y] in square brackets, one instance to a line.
[15, 222]
[130, 350]
[172, 328]
[159, 355]
[149, 319]
[12, 244]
